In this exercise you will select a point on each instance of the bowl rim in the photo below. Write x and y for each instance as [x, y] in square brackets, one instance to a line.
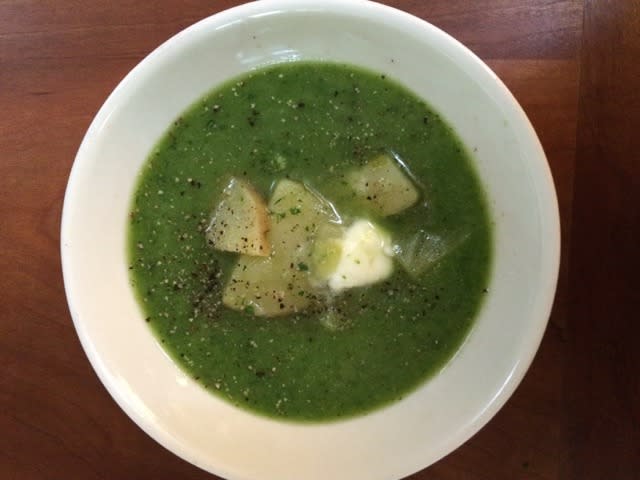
[549, 204]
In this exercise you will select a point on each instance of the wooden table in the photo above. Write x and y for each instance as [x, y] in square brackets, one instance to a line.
[575, 68]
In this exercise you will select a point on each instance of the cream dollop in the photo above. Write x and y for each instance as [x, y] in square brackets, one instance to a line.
[365, 257]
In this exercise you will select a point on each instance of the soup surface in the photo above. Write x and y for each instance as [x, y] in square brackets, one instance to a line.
[355, 348]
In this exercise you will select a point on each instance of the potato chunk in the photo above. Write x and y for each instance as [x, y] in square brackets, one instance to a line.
[422, 250]
[240, 222]
[281, 284]
[383, 186]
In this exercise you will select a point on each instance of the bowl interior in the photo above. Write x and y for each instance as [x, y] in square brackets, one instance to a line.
[388, 443]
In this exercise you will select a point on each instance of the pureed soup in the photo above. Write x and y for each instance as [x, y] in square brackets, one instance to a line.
[310, 241]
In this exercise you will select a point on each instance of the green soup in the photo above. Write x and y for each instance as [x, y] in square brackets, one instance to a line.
[313, 123]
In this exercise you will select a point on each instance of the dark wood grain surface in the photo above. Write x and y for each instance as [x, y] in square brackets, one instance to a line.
[575, 68]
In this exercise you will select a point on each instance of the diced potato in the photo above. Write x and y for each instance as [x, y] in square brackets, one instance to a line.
[421, 251]
[325, 252]
[268, 286]
[296, 215]
[383, 186]
[281, 283]
[240, 222]
[325, 257]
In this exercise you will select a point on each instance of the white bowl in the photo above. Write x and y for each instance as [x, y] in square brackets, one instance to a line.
[391, 442]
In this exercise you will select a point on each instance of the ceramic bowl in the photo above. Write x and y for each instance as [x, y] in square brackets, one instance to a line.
[388, 443]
